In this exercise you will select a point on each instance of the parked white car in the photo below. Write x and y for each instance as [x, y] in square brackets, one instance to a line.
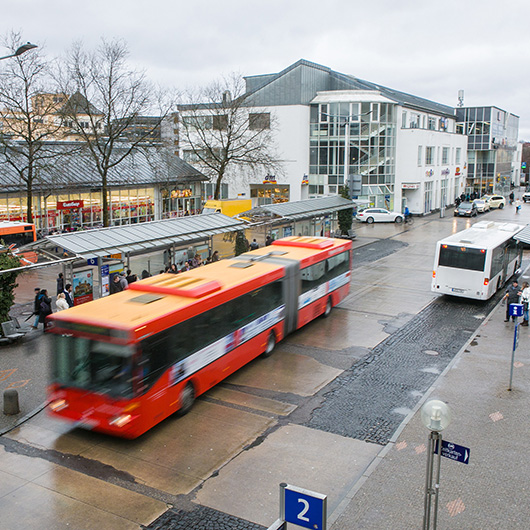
[482, 205]
[379, 215]
[495, 201]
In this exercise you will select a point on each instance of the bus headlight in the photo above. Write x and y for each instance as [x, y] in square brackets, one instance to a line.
[120, 421]
[58, 405]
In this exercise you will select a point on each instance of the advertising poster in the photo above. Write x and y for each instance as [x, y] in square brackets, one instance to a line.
[105, 289]
[82, 286]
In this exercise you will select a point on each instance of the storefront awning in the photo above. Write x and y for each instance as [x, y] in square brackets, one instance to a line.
[142, 237]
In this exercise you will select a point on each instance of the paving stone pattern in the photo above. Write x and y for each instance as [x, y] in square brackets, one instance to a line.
[369, 401]
[201, 518]
[376, 250]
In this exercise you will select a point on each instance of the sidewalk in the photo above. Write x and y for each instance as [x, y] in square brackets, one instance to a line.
[492, 491]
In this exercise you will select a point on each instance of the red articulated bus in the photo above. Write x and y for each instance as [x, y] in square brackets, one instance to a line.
[123, 363]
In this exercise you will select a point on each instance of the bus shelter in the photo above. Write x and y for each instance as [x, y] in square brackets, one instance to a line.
[311, 217]
[93, 256]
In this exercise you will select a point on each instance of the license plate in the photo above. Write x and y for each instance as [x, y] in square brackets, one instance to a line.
[457, 290]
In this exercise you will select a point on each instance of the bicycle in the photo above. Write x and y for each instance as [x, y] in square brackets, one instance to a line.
[409, 220]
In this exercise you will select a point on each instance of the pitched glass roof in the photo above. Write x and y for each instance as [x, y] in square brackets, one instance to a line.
[144, 236]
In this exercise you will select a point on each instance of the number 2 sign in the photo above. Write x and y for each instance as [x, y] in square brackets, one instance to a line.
[305, 508]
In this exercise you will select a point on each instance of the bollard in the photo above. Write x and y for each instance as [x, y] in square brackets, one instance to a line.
[11, 406]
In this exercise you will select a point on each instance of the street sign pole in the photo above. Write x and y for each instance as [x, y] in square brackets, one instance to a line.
[515, 310]
[431, 488]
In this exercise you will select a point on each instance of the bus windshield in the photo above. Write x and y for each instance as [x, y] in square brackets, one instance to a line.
[93, 365]
[472, 259]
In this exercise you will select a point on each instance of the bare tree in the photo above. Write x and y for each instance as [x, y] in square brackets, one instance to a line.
[222, 130]
[28, 115]
[107, 102]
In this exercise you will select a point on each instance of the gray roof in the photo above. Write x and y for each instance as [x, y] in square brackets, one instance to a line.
[69, 166]
[308, 208]
[524, 235]
[302, 80]
[142, 237]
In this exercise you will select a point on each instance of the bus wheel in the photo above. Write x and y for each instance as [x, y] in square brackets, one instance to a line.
[327, 311]
[271, 343]
[187, 397]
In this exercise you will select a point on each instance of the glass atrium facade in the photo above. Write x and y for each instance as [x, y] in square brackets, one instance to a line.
[362, 134]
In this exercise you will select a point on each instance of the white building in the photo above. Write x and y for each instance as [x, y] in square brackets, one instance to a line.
[405, 148]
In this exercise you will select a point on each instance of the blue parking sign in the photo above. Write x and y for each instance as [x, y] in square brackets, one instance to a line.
[305, 508]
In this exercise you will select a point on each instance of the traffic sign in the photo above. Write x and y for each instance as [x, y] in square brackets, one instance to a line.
[305, 508]
[454, 452]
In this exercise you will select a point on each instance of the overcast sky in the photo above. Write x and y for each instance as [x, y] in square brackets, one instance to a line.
[426, 48]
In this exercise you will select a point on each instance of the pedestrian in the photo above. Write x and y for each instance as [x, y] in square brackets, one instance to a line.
[130, 277]
[511, 297]
[115, 285]
[173, 269]
[145, 274]
[68, 295]
[517, 206]
[254, 245]
[525, 299]
[60, 283]
[123, 281]
[61, 302]
[36, 307]
[45, 308]
[215, 256]
[268, 240]
[511, 196]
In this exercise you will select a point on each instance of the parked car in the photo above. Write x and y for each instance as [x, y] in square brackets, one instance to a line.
[495, 201]
[379, 215]
[482, 205]
[526, 196]
[466, 209]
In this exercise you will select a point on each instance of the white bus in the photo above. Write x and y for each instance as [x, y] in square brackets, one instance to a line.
[476, 262]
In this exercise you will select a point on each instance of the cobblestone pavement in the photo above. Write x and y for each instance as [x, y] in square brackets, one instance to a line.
[370, 400]
[376, 250]
[201, 518]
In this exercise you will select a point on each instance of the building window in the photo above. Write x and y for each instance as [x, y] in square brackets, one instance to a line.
[220, 122]
[445, 156]
[419, 155]
[259, 122]
[458, 155]
[414, 121]
[429, 156]
[404, 120]
[431, 124]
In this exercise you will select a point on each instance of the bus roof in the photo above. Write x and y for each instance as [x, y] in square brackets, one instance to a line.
[13, 224]
[484, 234]
[159, 298]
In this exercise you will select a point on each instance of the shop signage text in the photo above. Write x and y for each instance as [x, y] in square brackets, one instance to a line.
[69, 205]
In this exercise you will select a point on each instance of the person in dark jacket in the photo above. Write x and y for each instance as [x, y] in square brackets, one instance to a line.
[45, 307]
[511, 297]
[60, 283]
[115, 285]
[36, 307]
[130, 277]
[68, 294]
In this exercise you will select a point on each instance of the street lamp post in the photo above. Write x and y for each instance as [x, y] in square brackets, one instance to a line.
[436, 416]
[20, 50]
